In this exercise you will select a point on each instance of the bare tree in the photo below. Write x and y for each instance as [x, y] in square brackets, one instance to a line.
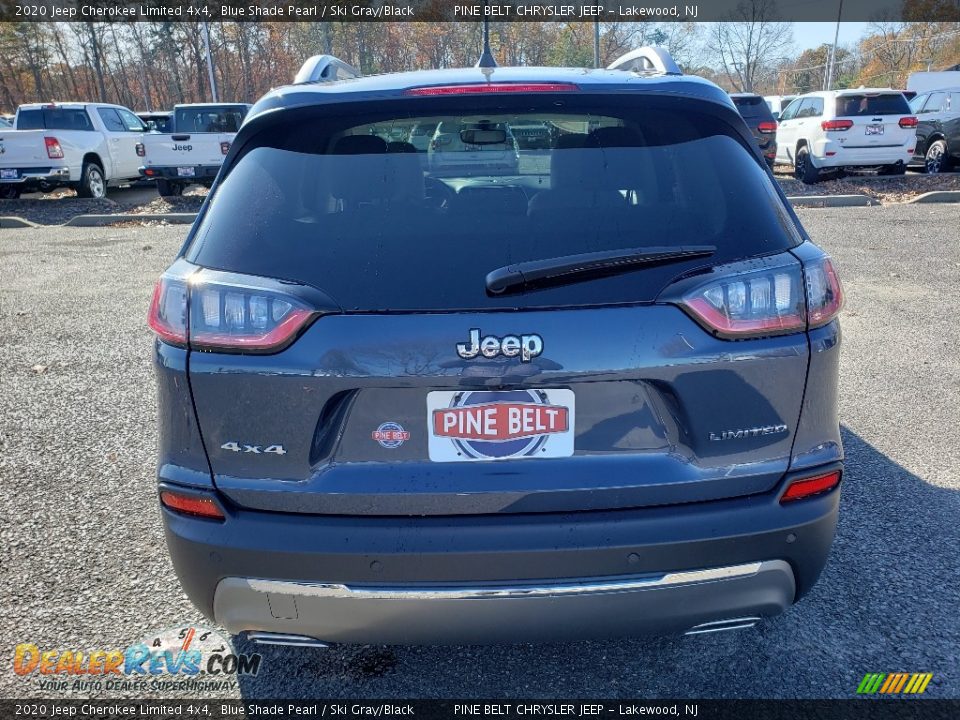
[749, 42]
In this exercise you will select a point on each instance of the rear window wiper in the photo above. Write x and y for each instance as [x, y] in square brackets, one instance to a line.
[568, 269]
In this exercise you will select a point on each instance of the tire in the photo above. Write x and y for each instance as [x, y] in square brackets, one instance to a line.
[167, 188]
[9, 192]
[92, 183]
[936, 160]
[803, 169]
[895, 169]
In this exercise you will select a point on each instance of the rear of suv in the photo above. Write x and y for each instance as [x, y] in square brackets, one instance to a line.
[756, 113]
[836, 129]
[595, 398]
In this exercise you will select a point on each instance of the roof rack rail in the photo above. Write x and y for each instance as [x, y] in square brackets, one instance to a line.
[649, 59]
[325, 68]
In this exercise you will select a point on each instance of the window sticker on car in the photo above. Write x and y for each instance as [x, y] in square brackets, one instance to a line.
[495, 425]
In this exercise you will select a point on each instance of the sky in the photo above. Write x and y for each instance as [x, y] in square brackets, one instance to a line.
[808, 35]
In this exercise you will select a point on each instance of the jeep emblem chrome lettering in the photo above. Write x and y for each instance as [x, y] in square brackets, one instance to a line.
[526, 346]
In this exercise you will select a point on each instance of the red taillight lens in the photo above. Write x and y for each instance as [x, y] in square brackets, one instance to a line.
[168, 311]
[227, 312]
[54, 151]
[908, 122]
[224, 148]
[141, 150]
[836, 124]
[491, 88]
[191, 505]
[808, 487]
[824, 292]
[751, 304]
[767, 127]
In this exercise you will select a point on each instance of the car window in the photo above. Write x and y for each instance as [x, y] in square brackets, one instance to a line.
[955, 102]
[380, 226]
[131, 122]
[791, 110]
[210, 119]
[934, 103]
[810, 107]
[54, 118]
[752, 107]
[871, 104]
[916, 103]
[111, 120]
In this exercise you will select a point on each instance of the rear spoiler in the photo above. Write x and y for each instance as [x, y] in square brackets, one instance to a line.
[648, 59]
[325, 68]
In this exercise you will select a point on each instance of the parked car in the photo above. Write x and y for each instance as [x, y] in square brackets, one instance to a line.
[831, 130]
[777, 103]
[484, 144]
[85, 146]
[159, 121]
[421, 134]
[759, 119]
[403, 407]
[193, 148]
[938, 129]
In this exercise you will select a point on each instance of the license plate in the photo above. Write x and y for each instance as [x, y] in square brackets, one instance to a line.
[186, 172]
[8, 174]
[874, 129]
[477, 425]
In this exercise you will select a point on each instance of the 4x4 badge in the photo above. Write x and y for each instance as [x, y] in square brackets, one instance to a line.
[526, 346]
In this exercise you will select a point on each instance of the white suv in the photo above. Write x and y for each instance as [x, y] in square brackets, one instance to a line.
[866, 127]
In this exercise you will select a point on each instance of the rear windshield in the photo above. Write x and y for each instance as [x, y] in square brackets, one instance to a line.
[333, 202]
[753, 106]
[54, 119]
[888, 104]
[226, 119]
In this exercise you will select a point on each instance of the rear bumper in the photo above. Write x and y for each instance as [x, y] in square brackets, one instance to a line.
[434, 580]
[34, 177]
[852, 156]
[201, 173]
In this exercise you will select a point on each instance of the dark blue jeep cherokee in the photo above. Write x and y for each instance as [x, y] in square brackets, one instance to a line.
[587, 392]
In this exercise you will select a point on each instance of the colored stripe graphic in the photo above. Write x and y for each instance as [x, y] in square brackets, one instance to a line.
[894, 683]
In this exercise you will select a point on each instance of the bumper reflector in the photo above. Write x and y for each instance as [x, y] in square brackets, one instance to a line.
[191, 505]
[807, 487]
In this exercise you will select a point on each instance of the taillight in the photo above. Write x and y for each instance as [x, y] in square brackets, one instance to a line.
[54, 151]
[191, 504]
[475, 88]
[808, 487]
[141, 150]
[908, 122]
[224, 147]
[836, 124]
[226, 312]
[767, 127]
[824, 292]
[768, 302]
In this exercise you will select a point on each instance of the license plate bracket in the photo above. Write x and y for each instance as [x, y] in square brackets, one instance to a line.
[9, 174]
[874, 130]
[186, 172]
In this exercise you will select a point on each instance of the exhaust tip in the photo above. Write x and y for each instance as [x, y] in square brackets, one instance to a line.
[270, 638]
[740, 623]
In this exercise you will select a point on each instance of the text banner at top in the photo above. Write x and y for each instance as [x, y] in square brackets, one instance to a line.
[471, 10]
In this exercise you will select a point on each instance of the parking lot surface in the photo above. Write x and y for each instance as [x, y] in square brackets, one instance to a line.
[85, 566]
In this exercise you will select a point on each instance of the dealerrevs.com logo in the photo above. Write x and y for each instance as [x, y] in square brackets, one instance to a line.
[187, 657]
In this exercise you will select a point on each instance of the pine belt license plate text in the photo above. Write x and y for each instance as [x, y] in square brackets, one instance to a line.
[874, 129]
[186, 171]
[8, 174]
[472, 425]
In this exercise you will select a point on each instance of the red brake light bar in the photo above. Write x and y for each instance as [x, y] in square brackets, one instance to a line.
[909, 122]
[808, 487]
[477, 88]
[836, 124]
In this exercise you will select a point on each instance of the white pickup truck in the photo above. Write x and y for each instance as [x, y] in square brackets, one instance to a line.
[193, 151]
[85, 146]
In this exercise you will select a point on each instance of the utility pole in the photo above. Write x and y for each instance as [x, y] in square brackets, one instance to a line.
[833, 50]
[206, 47]
[596, 43]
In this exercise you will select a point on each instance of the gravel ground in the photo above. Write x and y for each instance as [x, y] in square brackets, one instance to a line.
[59, 206]
[85, 567]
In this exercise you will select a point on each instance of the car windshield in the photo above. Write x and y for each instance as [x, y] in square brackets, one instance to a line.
[752, 106]
[872, 104]
[54, 119]
[332, 201]
[209, 119]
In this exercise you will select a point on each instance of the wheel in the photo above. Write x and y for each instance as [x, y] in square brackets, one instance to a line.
[92, 182]
[936, 160]
[167, 188]
[895, 169]
[803, 169]
[9, 192]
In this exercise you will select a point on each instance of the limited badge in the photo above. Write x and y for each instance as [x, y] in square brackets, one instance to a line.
[391, 435]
